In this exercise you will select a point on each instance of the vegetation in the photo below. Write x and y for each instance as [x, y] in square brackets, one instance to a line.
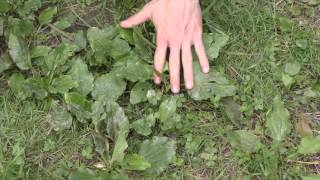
[78, 102]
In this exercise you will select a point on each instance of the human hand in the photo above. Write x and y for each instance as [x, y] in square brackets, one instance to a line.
[178, 25]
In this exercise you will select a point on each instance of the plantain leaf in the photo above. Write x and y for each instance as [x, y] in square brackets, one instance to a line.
[214, 42]
[19, 52]
[135, 162]
[116, 120]
[139, 93]
[133, 69]
[210, 85]
[46, 15]
[28, 7]
[292, 69]
[144, 125]
[19, 86]
[159, 152]
[4, 6]
[278, 122]
[5, 62]
[108, 87]
[119, 148]
[59, 118]
[59, 55]
[309, 145]
[80, 73]
[105, 43]
[244, 140]
[167, 113]
[78, 105]
[62, 84]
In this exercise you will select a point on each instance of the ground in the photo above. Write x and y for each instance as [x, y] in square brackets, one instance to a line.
[262, 131]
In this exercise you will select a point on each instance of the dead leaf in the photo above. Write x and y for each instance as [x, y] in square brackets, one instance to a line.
[303, 125]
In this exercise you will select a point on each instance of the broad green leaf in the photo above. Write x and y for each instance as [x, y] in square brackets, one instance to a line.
[288, 80]
[159, 152]
[59, 55]
[38, 86]
[5, 62]
[4, 6]
[120, 146]
[214, 42]
[108, 87]
[285, 24]
[80, 40]
[311, 177]
[1, 26]
[40, 51]
[167, 113]
[133, 69]
[28, 7]
[139, 93]
[99, 114]
[46, 15]
[278, 122]
[296, 10]
[154, 96]
[127, 34]
[101, 144]
[142, 49]
[119, 48]
[65, 21]
[302, 43]
[80, 73]
[111, 116]
[101, 42]
[209, 85]
[292, 68]
[244, 140]
[144, 125]
[83, 174]
[309, 145]
[19, 86]
[78, 105]
[117, 122]
[135, 162]
[20, 27]
[232, 109]
[19, 52]
[59, 118]
[62, 84]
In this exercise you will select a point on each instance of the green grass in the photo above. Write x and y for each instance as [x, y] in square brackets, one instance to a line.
[254, 58]
[26, 150]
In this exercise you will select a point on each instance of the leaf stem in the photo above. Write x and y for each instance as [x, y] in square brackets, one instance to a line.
[63, 33]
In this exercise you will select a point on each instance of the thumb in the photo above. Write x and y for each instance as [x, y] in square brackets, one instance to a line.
[139, 18]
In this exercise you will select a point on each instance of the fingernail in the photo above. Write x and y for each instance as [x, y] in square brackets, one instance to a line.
[157, 81]
[206, 70]
[189, 85]
[175, 90]
[123, 24]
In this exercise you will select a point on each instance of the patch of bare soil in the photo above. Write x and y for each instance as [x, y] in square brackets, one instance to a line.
[316, 20]
[89, 16]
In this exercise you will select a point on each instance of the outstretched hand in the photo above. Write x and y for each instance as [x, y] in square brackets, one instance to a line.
[179, 26]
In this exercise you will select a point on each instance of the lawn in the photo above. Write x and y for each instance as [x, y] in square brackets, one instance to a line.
[77, 98]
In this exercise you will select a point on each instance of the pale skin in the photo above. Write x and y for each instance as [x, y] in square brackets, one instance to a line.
[178, 25]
